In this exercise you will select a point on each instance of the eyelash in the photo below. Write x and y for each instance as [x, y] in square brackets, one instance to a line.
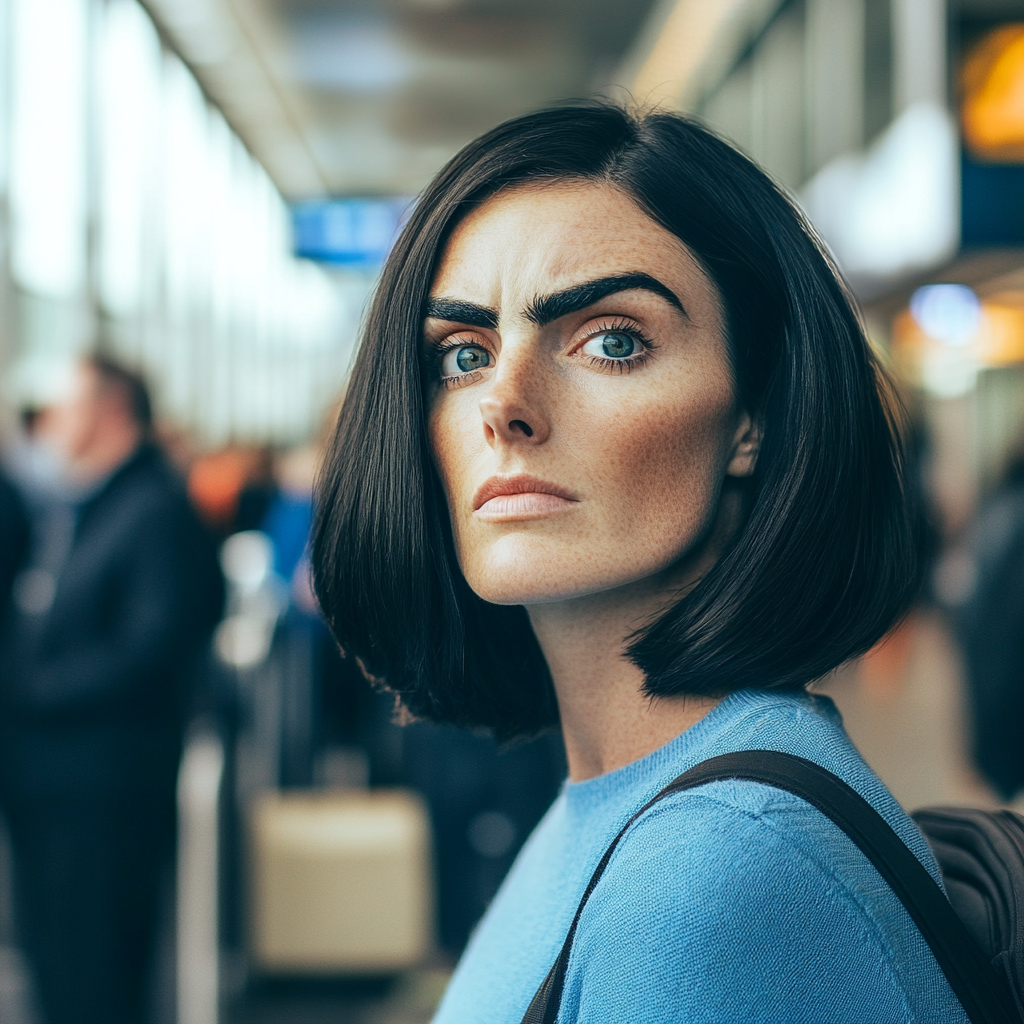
[459, 380]
[628, 327]
[438, 352]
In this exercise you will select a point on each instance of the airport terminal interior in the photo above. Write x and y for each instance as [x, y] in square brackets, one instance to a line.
[204, 192]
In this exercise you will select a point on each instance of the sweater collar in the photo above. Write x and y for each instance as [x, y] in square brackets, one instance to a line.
[691, 747]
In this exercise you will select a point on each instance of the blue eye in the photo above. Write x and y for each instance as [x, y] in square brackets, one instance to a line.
[464, 359]
[612, 345]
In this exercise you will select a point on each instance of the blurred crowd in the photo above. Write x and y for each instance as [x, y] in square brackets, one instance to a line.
[126, 558]
[981, 582]
[113, 589]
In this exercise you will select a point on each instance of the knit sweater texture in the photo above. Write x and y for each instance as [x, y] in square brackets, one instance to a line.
[731, 902]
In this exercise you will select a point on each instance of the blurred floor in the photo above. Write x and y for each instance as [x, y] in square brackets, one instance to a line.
[409, 999]
[16, 1001]
[903, 705]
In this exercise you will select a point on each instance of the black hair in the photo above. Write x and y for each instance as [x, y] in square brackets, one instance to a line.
[826, 560]
[131, 386]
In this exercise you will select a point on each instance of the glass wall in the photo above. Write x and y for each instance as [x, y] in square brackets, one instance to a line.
[844, 102]
[140, 224]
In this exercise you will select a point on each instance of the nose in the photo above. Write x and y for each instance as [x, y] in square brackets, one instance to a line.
[511, 409]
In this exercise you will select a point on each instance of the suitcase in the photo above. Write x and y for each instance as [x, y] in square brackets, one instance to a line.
[339, 882]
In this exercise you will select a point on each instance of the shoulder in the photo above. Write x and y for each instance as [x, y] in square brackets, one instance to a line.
[512, 948]
[143, 518]
[717, 857]
[147, 489]
[711, 910]
[150, 469]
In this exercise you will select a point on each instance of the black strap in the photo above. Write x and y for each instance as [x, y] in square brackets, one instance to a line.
[981, 991]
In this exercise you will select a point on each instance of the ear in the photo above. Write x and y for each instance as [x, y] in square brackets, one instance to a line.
[745, 447]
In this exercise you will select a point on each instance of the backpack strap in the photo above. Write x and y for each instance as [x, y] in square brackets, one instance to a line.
[981, 991]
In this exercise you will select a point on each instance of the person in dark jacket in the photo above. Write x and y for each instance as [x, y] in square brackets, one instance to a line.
[13, 538]
[106, 625]
[989, 623]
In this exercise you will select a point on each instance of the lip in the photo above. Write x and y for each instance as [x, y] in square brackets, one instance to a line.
[521, 496]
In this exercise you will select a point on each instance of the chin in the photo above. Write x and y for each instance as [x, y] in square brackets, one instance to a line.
[529, 568]
[513, 572]
[511, 576]
[526, 590]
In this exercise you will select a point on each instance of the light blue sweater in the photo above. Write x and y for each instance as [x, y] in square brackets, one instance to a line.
[731, 902]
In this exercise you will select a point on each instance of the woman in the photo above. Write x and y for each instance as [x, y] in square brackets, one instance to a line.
[616, 456]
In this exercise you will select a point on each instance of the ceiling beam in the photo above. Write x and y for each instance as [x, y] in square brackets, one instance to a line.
[226, 48]
[689, 46]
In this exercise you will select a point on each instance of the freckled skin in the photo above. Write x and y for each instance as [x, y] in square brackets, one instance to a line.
[645, 452]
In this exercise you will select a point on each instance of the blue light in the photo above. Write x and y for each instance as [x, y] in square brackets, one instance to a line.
[355, 233]
[947, 312]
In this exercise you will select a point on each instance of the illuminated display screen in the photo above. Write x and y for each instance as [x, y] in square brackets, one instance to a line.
[355, 233]
[992, 110]
[992, 126]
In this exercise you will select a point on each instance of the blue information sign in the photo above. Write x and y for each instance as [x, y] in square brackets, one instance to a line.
[355, 233]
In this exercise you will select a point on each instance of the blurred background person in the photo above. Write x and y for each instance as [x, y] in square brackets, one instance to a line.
[106, 625]
[13, 538]
[989, 621]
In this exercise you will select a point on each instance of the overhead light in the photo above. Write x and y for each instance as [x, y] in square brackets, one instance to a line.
[950, 313]
[947, 335]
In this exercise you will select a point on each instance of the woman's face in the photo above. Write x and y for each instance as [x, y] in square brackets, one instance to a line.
[581, 405]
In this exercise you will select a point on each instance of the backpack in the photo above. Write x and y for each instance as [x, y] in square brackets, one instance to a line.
[976, 935]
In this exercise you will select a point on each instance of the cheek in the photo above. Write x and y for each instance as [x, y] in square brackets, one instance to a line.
[457, 442]
[664, 460]
[650, 464]
[448, 429]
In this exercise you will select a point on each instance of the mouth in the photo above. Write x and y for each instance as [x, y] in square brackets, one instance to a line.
[521, 497]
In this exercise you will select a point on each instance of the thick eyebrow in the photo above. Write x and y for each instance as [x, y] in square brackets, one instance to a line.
[548, 308]
[461, 312]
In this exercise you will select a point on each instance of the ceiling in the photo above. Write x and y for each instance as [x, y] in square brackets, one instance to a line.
[369, 97]
[342, 97]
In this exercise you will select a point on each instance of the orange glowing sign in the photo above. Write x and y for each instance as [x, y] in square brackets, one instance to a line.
[992, 112]
[1001, 337]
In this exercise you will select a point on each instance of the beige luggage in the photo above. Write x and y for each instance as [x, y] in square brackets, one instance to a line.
[340, 882]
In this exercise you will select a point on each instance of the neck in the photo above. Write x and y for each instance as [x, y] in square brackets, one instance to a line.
[607, 719]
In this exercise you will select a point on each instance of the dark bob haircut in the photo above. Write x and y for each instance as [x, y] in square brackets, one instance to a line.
[826, 560]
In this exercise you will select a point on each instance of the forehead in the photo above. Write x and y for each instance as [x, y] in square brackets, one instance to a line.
[536, 239]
